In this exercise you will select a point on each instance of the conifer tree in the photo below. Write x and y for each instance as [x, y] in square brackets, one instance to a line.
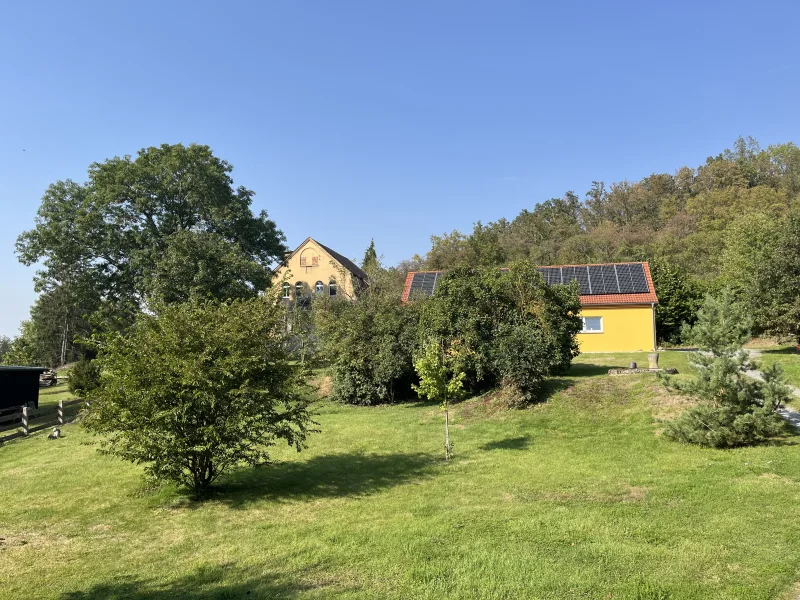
[733, 409]
[370, 258]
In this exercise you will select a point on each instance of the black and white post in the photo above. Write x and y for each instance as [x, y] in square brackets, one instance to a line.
[25, 420]
[60, 412]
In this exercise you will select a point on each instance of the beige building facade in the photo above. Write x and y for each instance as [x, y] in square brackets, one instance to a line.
[314, 269]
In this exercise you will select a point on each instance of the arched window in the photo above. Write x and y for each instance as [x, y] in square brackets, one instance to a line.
[298, 289]
[319, 288]
[286, 290]
[332, 287]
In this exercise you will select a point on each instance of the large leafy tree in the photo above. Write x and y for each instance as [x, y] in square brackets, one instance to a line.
[123, 232]
[678, 299]
[780, 280]
[503, 326]
[196, 389]
[748, 262]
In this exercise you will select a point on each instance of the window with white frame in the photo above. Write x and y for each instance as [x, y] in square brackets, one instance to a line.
[286, 290]
[592, 324]
[319, 288]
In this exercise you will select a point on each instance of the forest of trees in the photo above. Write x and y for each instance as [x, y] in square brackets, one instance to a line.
[731, 222]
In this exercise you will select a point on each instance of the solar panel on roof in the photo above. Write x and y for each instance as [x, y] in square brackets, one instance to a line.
[423, 283]
[596, 282]
[582, 273]
[610, 279]
[552, 276]
[593, 280]
[624, 278]
[638, 279]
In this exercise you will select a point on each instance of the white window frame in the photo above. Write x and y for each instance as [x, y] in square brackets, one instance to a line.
[584, 330]
[319, 288]
[286, 290]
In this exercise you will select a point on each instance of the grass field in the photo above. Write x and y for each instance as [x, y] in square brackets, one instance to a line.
[578, 497]
[788, 357]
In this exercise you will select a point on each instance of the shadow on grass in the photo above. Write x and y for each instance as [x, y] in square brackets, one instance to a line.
[203, 584]
[590, 370]
[516, 443]
[786, 350]
[331, 475]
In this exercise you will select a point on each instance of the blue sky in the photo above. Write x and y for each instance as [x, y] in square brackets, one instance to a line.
[354, 120]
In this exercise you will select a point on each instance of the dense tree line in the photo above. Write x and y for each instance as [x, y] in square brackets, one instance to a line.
[731, 221]
[169, 225]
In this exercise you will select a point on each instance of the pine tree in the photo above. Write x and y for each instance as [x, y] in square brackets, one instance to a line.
[733, 409]
[370, 257]
[723, 325]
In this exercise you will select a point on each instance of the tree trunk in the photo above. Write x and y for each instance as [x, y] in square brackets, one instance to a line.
[202, 470]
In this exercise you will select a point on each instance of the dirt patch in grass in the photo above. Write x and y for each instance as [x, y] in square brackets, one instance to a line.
[603, 391]
[667, 405]
[635, 493]
[627, 494]
[766, 342]
[791, 594]
[778, 478]
[323, 385]
[481, 407]
[32, 539]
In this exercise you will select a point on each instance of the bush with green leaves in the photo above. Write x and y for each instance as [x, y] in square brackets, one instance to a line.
[197, 389]
[84, 377]
[369, 343]
[504, 326]
[733, 409]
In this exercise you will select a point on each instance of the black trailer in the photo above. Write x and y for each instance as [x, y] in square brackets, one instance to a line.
[19, 386]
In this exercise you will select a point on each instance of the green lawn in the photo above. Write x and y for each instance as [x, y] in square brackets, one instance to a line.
[788, 357]
[578, 497]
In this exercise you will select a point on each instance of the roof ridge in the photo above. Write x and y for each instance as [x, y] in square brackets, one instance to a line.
[344, 261]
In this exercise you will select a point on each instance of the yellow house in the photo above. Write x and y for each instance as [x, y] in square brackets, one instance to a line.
[618, 302]
[313, 268]
[623, 320]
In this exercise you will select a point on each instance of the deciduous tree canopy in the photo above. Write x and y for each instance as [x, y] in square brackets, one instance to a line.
[167, 225]
[723, 223]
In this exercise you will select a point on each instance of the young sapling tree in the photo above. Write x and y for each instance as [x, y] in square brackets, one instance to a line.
[439, 383]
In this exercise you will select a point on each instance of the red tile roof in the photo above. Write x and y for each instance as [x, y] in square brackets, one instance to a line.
[594, 300]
